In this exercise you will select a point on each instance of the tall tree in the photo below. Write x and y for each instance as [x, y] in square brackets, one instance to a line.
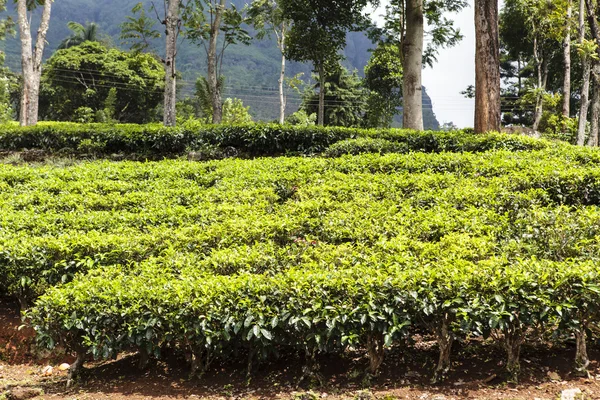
[172, 24]
[267, 17]
[318, 34]
[413, 64]
[566, 103]
[31, 57]
[595, 45]
[531, 34]
[404, 27]
[204, 25]
[487, 67]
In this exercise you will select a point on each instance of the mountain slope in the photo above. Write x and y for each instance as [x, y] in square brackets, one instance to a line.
[251, 71]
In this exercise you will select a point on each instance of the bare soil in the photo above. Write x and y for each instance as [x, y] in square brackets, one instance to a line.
[477, 374]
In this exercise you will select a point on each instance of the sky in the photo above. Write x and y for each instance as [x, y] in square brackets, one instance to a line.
[454, 71]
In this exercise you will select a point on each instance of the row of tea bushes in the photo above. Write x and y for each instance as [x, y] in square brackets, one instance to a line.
[254, 140]
[371, 305]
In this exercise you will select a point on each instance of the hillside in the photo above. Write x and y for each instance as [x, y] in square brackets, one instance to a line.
[251, 72]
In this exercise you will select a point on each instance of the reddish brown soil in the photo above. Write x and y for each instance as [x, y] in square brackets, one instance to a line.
[405, 374]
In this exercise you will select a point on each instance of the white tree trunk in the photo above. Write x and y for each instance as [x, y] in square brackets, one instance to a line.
[542, 76]
[566, 103]
[487, 67]
[282, 101]
[31, 61]
[595, 114]
[321, 114]
[213, 79]
[171, 31]
[412, 88]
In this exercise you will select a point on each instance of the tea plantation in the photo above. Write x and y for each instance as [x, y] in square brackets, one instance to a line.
[448, 234]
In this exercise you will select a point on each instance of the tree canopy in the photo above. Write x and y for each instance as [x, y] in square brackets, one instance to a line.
[82, 76]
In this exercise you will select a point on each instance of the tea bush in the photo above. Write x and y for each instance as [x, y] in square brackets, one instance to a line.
[488, 236]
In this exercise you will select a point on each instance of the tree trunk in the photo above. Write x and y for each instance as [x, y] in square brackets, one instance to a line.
[566, 103]
[513, 339]
[585, 92]
[213, 79]
[282, 78]
[595, 117]
[587, 69]
[376, 352]
[487, 67]
[445, 338]
[31, 61]
[171, 33]
[582, 360]
[542, 75]
[321, 115]
[412, 88]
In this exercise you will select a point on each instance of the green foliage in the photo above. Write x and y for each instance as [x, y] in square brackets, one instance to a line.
[84, 115]
[268, 18]
[9, 93]
[383, 78]
[345, 99]
[81, 34]
[441, 32]
[88, 76]
[319, 28]
[306, 254]
[234, 112]
[365, 145]
[301, 118]
[139, 32]
[202, 98]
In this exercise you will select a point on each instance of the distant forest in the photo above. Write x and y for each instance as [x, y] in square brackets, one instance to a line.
[251, 72]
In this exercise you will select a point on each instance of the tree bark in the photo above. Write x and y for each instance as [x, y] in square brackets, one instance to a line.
[542, 76]
[487, 67]
[445, 338]
[582, 360]
[213, 79]
[595, 115]
[321, 114]
[171, 33]
[583, 109]
[412, 88]
[282, 76]
[566, 101]
[376, 352]
[31, 61]
[587, 69]
[513, 339]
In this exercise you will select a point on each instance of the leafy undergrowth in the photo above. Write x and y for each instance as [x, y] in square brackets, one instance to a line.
[316, 257]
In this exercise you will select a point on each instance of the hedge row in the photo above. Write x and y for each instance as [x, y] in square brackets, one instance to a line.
[315, 254]
[210, 142]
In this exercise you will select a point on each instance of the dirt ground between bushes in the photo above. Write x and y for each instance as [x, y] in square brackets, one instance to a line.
[477, 371]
